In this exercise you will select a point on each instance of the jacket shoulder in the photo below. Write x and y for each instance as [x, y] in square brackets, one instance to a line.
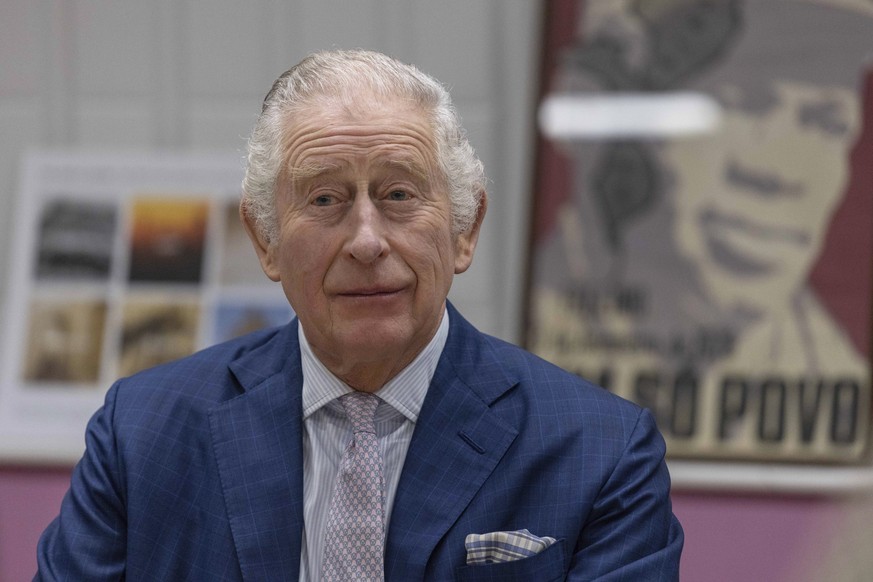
[550, 382]
[207, 374]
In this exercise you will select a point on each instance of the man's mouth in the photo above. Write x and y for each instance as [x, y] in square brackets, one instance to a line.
[371, 292]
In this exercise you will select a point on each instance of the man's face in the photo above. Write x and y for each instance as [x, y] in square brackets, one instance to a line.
[754, 201]
[365, 251]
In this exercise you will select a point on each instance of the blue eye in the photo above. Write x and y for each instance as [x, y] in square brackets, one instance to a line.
[323, 200]
[398, 195]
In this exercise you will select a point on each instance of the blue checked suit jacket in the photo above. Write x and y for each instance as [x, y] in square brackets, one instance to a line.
[193, 472]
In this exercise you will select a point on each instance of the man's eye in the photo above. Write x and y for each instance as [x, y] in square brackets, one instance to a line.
[398, 195]
[323, 200]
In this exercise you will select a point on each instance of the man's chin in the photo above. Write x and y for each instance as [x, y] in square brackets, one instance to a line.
[374, 335]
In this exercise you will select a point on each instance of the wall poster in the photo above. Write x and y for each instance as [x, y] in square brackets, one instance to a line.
[118, 263]
[716, 264]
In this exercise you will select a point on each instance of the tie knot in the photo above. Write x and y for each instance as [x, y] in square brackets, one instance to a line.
[360, 407]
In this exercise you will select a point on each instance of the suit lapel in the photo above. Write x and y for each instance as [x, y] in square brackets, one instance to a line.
[257, 439]
[457, 443]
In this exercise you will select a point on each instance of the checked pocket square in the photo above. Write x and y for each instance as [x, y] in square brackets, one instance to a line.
[503, 546]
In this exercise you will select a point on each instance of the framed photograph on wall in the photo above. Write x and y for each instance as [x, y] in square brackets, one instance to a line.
[702, 238]
[119, 262]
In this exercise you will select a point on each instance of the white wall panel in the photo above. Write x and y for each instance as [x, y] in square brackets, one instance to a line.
[56, 63]
[112, 44]
[453, 42]
[19, 131]
[102, 123]
[396, 34]
[19, 48]
[222, 125]
[226, 48]
[514, 86]
[169, 52]
[284, 36]
[327, 24]
[474, 288]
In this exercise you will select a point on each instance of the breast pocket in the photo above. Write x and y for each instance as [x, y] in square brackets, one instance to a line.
[547, 566]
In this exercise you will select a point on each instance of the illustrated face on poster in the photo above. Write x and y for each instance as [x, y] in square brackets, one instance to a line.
[754, 199]
[677, 272]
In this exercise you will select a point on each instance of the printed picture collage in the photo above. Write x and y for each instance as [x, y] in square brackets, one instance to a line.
[122, 264]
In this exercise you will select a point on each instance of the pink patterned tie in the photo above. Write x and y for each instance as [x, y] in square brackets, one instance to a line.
[355, 530]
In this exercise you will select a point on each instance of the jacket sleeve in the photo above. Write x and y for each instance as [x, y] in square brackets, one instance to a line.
[87, 540]
[632, 533]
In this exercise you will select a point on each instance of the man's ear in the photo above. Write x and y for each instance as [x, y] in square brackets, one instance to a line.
[465, 243]
[265, 248]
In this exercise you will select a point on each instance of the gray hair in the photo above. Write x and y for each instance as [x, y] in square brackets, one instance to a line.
[342, 74]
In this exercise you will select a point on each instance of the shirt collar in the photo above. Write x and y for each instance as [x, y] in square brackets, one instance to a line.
[405, 392]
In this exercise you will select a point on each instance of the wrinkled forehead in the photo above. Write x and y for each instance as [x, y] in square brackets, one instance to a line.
[395, 132]
[358, 105]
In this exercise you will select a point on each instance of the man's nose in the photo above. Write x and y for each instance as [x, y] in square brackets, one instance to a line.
[366, 241]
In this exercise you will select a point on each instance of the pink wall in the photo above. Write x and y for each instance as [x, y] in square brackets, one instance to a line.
[29, 500]
[727, 537]
[732, 537]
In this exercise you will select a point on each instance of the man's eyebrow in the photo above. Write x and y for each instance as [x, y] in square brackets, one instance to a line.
[311, 169]
[407, 165]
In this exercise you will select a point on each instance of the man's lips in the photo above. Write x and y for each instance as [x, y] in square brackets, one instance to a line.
[370, 292]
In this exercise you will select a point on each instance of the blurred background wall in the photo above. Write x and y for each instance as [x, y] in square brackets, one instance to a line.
[189, 75]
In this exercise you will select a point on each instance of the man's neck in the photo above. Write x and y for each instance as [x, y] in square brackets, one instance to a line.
[366, 371]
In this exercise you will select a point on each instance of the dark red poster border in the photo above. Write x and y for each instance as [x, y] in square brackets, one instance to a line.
[552, 182]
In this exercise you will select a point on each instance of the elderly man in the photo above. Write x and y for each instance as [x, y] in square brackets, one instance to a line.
[378, 435]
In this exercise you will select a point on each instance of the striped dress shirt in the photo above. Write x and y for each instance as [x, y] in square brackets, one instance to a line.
[326, 431]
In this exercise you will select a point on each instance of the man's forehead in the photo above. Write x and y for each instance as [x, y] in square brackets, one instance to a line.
[319, 129]
[337, 119]
[393, 159]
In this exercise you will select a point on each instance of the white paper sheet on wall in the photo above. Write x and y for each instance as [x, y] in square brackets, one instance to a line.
[119, 262]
